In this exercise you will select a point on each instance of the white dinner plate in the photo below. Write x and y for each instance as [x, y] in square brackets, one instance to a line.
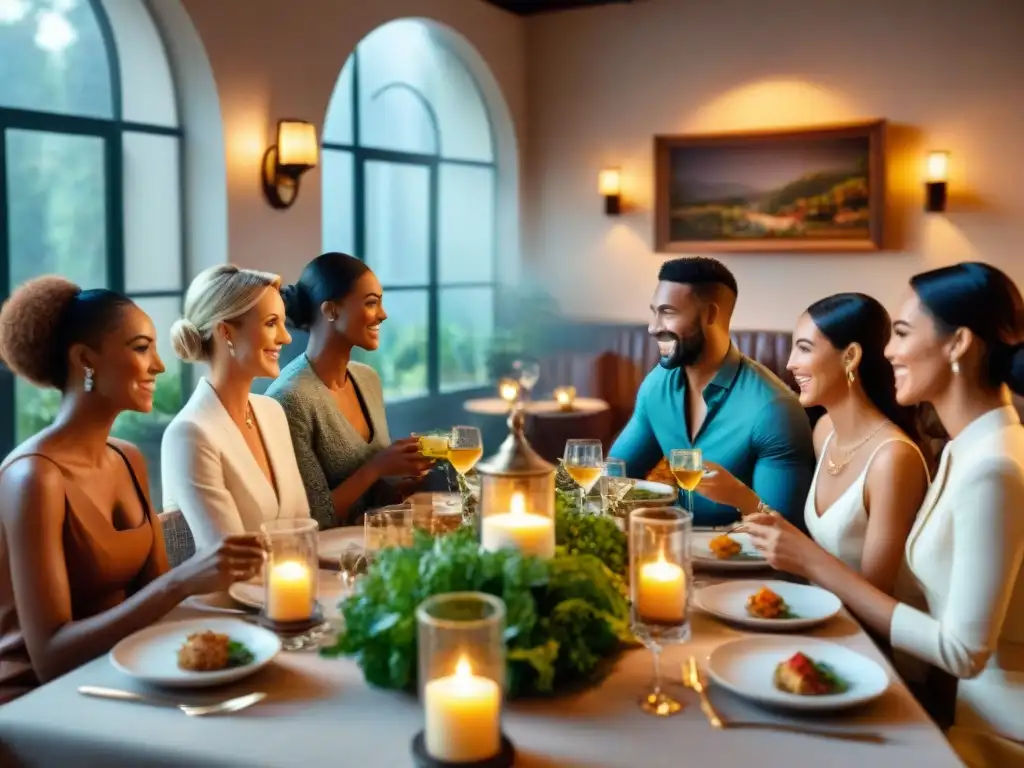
[809, 605]
[330, 544]
[151, 654]
[748, 559]
[747, 668]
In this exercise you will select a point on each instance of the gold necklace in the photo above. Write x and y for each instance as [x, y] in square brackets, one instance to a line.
[248, 415]
[833, 468]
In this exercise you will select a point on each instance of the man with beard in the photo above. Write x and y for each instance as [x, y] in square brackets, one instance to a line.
[706, 394]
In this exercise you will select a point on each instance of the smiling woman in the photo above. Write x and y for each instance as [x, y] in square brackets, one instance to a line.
[228, 463]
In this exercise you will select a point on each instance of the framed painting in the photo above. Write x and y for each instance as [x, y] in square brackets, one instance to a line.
[818, 189]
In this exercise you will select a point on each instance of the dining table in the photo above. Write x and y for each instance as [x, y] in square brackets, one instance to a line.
[319, 711]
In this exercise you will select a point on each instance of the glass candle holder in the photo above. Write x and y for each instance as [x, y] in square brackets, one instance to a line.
[565, 397]
[660, 578]
[291, 571]
[461, 676]
[509, 390]
[518, 512]
[390, 526]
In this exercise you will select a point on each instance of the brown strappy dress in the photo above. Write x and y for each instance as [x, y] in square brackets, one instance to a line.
[103, 565]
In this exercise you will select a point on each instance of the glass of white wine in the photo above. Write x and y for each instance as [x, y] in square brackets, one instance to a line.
[583, 461]
[687, 466]
[465, 447]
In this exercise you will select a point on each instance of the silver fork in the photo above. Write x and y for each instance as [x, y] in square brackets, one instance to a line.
[692, 679]
[236, 704]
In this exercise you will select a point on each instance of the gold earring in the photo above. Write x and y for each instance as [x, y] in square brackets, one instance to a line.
[955, 366]
[231, 348]
[850, 377]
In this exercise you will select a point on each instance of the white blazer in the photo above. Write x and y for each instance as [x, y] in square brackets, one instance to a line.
[210, 474]
[965, 551]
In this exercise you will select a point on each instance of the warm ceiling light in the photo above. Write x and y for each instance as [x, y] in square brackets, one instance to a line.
[296, 151]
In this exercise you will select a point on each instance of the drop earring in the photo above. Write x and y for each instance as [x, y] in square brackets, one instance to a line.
[231, 348]
[89, 374]
[955, 366]
[850, 377]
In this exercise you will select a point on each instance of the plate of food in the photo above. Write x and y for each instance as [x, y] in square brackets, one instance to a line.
[332, 543]
[800, 673]
[650, 493]
[769, 605]
[196, 653]
[725, 551]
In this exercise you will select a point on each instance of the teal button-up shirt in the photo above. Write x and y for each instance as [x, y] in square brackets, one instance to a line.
[755, 427]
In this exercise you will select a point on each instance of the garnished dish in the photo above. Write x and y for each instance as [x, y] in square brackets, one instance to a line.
[766, 604]
[209, 651]
[801, 675]
[724, 547]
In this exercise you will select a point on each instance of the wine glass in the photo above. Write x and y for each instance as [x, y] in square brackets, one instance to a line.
[528, 372]
[583, 460]
[613, 483]
[660, 580]
[465, 447]
[687, 466]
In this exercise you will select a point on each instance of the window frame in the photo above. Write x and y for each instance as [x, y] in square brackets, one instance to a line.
[111, 131]
[433, 162]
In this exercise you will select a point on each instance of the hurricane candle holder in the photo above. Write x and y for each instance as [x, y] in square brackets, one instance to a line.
[517, 497]
[565, 397]
[290, 576]
[460, 637]
[660, 577]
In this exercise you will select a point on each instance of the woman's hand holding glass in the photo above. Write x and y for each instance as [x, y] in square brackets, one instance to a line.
[402, 459]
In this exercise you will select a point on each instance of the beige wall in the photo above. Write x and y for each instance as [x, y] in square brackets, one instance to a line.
[281, 58]
[948, 74]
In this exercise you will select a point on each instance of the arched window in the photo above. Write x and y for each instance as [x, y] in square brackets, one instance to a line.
[90, 150]
[409, 183]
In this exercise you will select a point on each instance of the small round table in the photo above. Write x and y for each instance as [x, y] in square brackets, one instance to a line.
[548, 426]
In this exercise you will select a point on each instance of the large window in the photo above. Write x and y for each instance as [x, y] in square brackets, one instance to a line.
[409, 182]
[90, 179]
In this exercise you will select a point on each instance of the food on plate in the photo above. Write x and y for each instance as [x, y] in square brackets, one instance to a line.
[210, 651]
[765, 604]
[801, 675]
[725, 546]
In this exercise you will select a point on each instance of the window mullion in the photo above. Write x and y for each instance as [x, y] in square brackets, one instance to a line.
[433, 308]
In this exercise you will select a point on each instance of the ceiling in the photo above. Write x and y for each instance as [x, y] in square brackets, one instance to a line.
[530, 7]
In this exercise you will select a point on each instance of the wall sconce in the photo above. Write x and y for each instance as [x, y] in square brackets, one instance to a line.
[936, 178]
[295, 152]
[609, 184]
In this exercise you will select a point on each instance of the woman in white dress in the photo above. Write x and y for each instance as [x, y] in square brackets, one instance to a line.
[228, 462]
[856, 510]
[958, 345]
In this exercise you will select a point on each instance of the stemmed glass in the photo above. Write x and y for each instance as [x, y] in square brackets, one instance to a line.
[465, 447]
[687, 466]
[528, 373]
[583, 460]
[613, 483]
[660, 578]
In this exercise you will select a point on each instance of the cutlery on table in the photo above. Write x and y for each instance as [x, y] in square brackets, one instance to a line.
[236, 704]
[692, 679]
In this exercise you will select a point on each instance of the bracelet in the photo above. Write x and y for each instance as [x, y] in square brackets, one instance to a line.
[762, 508]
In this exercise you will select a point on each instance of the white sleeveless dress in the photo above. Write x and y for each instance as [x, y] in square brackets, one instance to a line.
[842, 528]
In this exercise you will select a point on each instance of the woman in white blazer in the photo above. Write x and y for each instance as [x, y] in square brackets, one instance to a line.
[227, 457]
[957, 345]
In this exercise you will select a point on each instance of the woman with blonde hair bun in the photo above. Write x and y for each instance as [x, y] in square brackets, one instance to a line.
[228, 462]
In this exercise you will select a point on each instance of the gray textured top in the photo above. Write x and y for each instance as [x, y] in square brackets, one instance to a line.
[328, 448]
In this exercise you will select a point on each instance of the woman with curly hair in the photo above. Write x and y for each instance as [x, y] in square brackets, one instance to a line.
[228, 462]
[82, 560]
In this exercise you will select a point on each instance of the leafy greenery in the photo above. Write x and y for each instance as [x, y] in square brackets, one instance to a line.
[239, 654]
[564, 616]
[580, 533]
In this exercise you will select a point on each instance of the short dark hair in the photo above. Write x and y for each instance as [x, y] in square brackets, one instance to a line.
[328, 277]
[984, 299]
[700, 272]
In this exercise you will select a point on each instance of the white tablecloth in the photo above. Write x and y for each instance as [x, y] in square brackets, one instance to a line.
[320, 713]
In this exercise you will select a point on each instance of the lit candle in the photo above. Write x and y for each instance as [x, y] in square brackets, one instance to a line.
[530, 533]
[289, 592]
[463, 713]
[661, 596]
[509, 390]
[565, 396]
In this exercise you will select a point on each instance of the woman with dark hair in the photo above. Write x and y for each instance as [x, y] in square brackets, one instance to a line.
[335, 406]
[861, 507]
[958, 345]
[82, 560]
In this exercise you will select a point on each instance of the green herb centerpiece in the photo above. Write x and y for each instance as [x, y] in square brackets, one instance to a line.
[567, 616]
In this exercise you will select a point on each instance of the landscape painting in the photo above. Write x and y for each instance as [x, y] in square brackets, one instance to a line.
[801, 190]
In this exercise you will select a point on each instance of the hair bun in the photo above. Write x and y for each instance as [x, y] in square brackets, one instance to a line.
[187, 341]
[1015, 369]
[297, 306]
[30, 328]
